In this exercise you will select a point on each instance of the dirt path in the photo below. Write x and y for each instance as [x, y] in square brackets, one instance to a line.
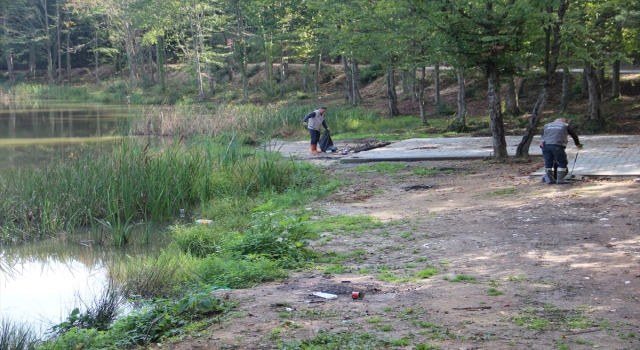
[520, 264]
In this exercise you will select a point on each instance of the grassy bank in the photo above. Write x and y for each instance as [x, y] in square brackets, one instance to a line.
[114, 192]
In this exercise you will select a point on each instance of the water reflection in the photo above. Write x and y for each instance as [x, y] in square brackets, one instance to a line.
[51, 276]
[38, 131]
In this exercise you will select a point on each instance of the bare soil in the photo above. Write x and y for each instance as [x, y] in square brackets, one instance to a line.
[564, 257]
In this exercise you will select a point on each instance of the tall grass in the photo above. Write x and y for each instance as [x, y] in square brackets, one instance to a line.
[115, 191]
[14, 336]
[257, 122]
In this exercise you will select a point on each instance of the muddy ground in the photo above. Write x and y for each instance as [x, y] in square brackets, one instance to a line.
[565, 259]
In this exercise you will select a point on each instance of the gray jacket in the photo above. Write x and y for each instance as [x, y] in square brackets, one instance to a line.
[316, 119]
[556, 132]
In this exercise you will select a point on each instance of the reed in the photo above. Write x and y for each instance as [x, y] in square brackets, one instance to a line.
[14, 336]
[257, 122]
[112, 193]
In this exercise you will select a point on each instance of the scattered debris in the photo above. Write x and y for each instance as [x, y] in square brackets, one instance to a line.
[368, 146]
[418, 187]
[476, 308]
[324, 295]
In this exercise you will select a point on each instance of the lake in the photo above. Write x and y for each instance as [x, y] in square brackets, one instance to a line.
[50, 277]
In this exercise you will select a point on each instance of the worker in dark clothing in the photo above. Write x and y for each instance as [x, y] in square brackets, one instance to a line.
[313, 121]
[554, 142]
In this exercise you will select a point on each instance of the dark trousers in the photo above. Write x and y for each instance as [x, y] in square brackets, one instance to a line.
[315, 136]
[557, 153]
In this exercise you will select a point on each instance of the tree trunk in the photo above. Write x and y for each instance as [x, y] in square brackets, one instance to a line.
[615, 80]
[347, 83]
[48, 44]
[585, 83]
[423, 114]
[551, 64]
[316, 74]
[95, 55]
[305, 76]
[354, 82]
[32, 59]
[523, 80]
[268, 61]
[436, 72]
[512, 98]
[230, 58]
[207, 65]
[58, 42]
[459, 124]
[405, 84]
[392, 97]
[68, 52]
[412, 84]
[564, 99]
[196, 53]
[495, 112]
[160, 61]
[9, 55]
[240, 23]
[600, 76]
[283, 70]
[595, 110]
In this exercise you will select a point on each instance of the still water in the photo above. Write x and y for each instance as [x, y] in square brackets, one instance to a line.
[37, 131]
[50, 277]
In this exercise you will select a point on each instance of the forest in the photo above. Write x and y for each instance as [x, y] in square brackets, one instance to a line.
[501, 39]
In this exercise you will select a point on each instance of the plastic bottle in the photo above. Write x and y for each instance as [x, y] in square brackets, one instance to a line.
[204, 222]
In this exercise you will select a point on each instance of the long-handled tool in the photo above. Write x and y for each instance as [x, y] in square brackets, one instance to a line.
[572, 176]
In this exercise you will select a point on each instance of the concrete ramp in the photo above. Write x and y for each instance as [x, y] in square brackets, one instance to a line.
[605, 155]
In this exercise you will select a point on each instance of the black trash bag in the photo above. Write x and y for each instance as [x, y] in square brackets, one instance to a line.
[326, 144]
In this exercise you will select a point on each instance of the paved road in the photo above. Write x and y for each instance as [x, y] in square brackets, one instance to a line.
[608, 155]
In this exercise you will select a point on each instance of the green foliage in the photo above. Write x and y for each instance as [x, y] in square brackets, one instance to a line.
[154, 276]
[427, 273]
[337, 341]
[349, 224]
[114, 192]
[504, 192]
[275, 237]
[231, 273]
[334, 269]
[494, 292]
[462, 278]
[200, 240]
[367, 74]
[14, 336]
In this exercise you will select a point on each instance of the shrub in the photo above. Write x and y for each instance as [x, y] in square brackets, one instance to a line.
[368, 74]
[199, 240]
[230, 273]
[151, 276]
[276, 238]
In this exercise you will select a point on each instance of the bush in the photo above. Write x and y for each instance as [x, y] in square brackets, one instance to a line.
[275, 238]
[150, 276]
[199, 240]
[368, 74]
[230, 273]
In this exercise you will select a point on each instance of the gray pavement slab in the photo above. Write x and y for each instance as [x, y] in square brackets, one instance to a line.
[603, 155]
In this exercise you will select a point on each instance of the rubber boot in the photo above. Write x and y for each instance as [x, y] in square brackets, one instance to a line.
[314, 149]
[550, 179]
[562, 172]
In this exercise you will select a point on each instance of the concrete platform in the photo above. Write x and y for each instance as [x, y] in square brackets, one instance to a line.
[603, 155]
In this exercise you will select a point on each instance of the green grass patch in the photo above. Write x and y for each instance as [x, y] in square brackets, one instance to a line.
[390, 277]
[493, 292]
[551, 317]
[462, 279]
[427, 273]
[326, 340]
[504, 192]
[348, 224]
[335, 269]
